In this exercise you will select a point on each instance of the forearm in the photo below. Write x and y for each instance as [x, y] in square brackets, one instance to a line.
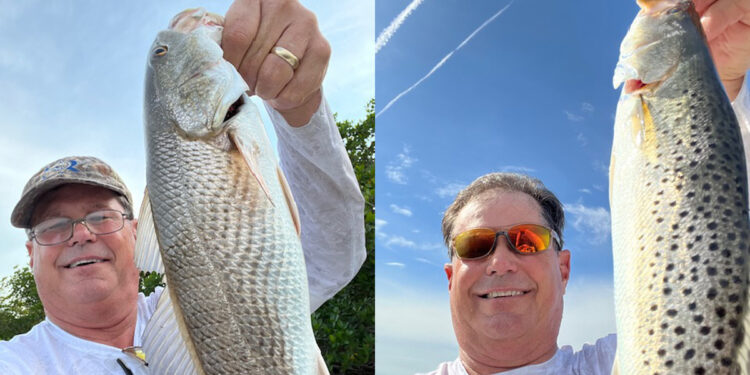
[330, 204]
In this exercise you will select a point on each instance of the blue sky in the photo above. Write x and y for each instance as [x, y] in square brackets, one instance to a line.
[72, 73]
[530, 92]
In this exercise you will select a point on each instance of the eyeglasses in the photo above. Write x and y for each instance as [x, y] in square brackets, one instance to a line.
[60, 229]
[523, 239]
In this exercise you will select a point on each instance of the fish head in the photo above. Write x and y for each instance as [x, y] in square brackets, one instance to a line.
[656, 43]
[189, 82]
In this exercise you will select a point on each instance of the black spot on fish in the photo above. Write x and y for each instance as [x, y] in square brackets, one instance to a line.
[698, 318]
[734, 298]
[721, 312]
[699, 370]
[661, 352]
[691, 306]
[713, 246]
[705, 330]
[687, 291]
[711, 271]
[668, 291]
[726, 362]
[679, 330]
[711, 294]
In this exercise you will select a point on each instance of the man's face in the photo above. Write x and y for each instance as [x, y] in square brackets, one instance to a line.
[114, 275]
[512, 327]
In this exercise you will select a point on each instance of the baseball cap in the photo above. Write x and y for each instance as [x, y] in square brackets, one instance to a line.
[68, 170]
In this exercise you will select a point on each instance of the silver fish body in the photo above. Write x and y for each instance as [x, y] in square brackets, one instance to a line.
[678, 195]
[232, 256]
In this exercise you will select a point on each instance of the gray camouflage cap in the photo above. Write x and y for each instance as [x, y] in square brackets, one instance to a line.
[69, 170]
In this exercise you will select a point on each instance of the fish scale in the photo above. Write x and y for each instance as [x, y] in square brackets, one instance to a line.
[679, 205]
[234, 265]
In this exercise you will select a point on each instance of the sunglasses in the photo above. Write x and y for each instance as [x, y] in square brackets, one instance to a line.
[523, 239]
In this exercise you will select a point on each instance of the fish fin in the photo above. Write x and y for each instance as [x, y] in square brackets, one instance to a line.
[615, 371]
[147, 254]
[289, 199]
[743, 353]
[165, 340]
[249, 153]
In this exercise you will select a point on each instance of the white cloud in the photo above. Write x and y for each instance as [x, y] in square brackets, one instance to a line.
[517, 169]
[582, 139]
[450, 190]
[400, 241]
[592, 221]
[395, 264]
[587, 191]
[573, 117]
[443, 60]
[395, 170]
[380, 223]
[386, 34]
[427, 261]
[587, 107]
[401, 210]
[590, 304]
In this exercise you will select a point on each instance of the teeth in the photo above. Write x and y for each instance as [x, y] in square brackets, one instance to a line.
[504, 294]
[84, 262]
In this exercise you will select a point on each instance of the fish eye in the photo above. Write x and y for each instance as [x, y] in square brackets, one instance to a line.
[160, 51]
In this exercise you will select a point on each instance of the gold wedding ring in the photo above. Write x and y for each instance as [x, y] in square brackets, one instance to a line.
[287, 56]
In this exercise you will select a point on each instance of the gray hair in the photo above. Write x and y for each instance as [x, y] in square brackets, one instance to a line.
[551, 208]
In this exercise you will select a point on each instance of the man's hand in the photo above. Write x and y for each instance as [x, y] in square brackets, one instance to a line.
[252, 28]
[727, 27]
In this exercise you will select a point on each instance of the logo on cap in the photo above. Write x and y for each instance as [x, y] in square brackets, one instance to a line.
[59, 168]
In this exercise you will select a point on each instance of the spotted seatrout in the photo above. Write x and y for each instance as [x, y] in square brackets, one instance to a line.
[678, 194]
[224, 220]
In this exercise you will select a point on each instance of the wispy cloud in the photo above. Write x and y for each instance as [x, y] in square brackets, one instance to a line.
[582, 139]
[444, 59]
[379, 223]
[395, 170]
[388, 32]
[573, 117]
[586, 110]
[517, 169]
[400, 210]
[593, 221]
[400, 241]
[587, 191]
[427, 261]
[450, 190]
[587, 107]
[395, 264]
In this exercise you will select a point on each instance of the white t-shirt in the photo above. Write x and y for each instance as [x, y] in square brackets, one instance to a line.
[331, 208]
[590, 360]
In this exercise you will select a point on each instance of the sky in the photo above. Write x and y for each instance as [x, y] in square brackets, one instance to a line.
[461, 94]
[72, 73]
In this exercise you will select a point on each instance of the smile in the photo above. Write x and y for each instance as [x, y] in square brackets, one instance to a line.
[508, 293]
[84, 262]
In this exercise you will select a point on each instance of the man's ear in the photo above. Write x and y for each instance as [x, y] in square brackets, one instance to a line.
[449, 273]
[30, 249]
[563, 258]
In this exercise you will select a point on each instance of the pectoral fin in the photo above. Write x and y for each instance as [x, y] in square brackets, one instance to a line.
[250, 154]
[165, 340]
[147, 254]
[289, 199]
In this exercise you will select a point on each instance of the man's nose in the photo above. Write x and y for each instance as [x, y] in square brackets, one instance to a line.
[502, 260]
[81, 234]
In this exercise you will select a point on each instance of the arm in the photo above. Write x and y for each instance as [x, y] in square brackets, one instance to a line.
[330, 204]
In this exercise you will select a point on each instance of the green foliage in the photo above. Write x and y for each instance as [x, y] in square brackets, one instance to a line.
[149, 281]
[21, 308]
[345, 326]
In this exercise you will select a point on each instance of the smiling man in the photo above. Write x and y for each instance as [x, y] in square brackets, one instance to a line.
[78, 213]
[506, 281]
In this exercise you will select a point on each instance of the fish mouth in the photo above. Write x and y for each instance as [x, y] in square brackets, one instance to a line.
[234, 108]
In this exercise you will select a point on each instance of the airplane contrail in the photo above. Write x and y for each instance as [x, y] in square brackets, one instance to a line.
[386, 34]
[444, 59]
